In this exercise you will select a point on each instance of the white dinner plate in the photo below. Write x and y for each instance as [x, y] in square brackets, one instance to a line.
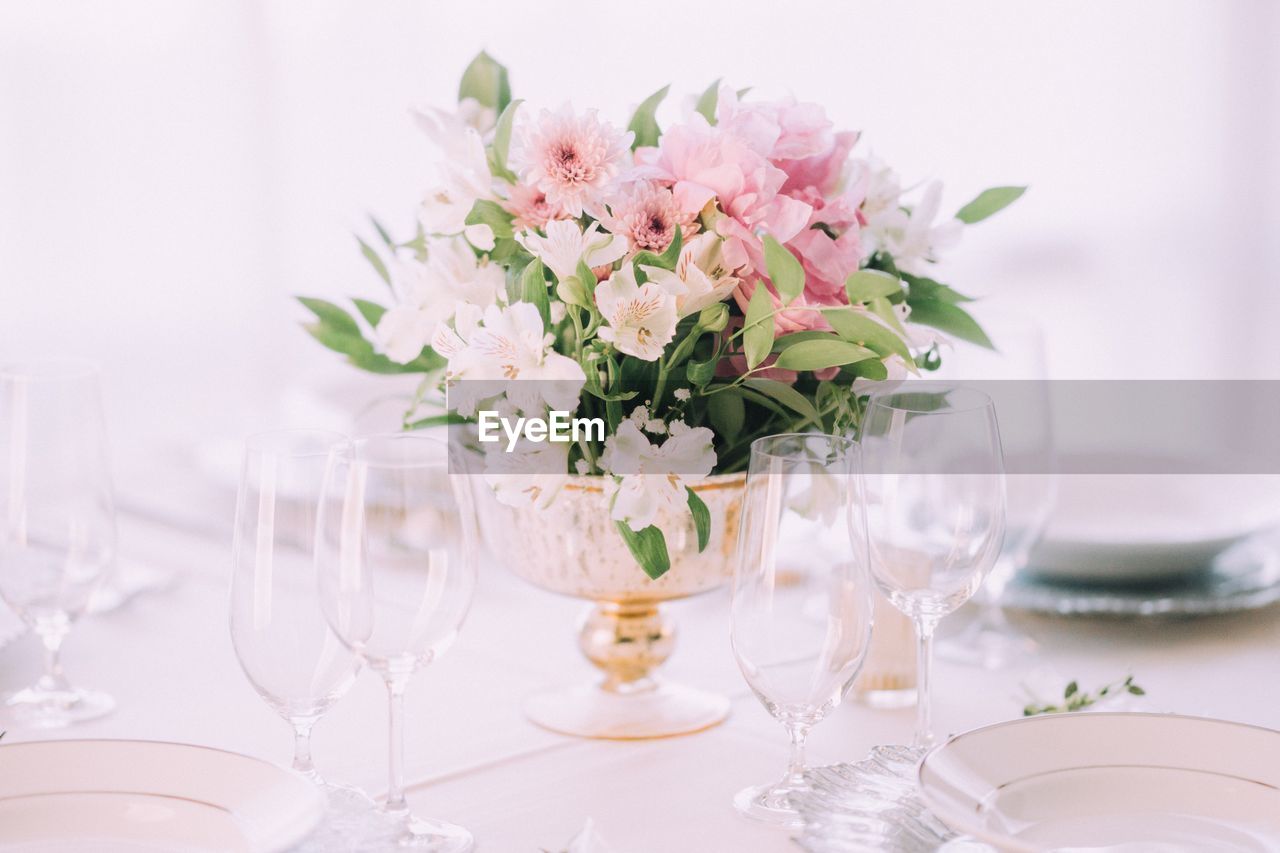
[113, 796]
[1138, 528]
[1120, 782]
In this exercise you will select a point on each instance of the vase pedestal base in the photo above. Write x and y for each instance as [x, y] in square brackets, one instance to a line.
[658, 709]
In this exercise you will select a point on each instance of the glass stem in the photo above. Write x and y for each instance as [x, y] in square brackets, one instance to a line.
[924, 667]
[795, 765]
[53, 679]
[302, 747]
[395, 758]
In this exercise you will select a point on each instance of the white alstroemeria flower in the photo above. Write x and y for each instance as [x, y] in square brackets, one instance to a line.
[566, 244]
[701, 276]
[427, 293]
[529, 475]
[911, 237]
[463, 172]
[507, 351]
[651, 476]
[477, 115]
[642, 318]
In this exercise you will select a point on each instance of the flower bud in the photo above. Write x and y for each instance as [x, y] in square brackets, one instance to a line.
[714, 318]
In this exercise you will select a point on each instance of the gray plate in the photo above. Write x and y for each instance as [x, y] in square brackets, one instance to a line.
[1246, 577]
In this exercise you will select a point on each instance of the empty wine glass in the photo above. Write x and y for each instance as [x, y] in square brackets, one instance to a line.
[1016, 375]
[933, 475]
[58, 537]
[285, 647]
[397, 549]
[801, 617]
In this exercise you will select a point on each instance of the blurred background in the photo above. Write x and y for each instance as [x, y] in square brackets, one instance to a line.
[172, 173]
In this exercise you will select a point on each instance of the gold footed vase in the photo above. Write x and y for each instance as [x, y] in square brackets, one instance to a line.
[573, 548]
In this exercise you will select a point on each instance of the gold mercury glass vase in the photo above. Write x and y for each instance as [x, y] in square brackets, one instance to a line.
[572, 547]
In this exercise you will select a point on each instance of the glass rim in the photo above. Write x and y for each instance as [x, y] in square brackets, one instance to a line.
[50, 370]
[262, 442]
[844, 443]
[350, 452]
[980, 399]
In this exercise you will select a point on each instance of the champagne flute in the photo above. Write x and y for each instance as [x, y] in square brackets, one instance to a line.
[801, 613]
[58, 538]
[397, 549]
[933, 474]
[285, 647]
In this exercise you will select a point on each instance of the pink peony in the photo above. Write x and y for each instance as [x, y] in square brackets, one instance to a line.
[530, 207]
[778, 130]
[571, 158]
[647, 214]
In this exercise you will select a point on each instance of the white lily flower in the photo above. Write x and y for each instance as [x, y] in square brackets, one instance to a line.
[566, 244]
[508, 352]
[642, 318]
[531, 474]
[651, 476]
[701, 276]
[911, 237]
[477, 115]
[463, 172]
[427, 293]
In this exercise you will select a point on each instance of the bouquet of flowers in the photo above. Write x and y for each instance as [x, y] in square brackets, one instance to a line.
[686, 289]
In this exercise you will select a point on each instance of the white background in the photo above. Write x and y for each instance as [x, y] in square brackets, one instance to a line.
[172, 172]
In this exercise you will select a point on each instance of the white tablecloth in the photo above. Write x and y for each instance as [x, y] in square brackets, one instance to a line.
[473, 759]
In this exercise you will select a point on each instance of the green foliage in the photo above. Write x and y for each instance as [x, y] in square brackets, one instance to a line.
[707, 102]
[667, 260]
[375, 261]
[858, 328]
[727, 413]
[949, 318]
[486, 212]
[502, 142]
[865, 285]
[785, 270]
[821, 354]
[643, 123]
[486, 80]
[988, 203]
[786, 395]
[649, 547]
[1074, 699]
[701, 518]
[757, 327]
[533, 289]
[371, 311]
[338, 330]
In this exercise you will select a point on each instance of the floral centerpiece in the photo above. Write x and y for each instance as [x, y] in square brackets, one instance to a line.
[738, 273]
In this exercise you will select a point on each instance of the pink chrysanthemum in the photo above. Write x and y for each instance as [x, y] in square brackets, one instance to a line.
[529, 206]
[571, 158]
[648, 215]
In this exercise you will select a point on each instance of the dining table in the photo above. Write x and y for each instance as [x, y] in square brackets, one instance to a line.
[166, 656]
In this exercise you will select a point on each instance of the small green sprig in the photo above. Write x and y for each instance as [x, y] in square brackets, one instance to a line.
[1074, 699]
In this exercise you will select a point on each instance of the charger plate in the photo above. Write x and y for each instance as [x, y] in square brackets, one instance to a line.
[112, 796]
[1121, 782]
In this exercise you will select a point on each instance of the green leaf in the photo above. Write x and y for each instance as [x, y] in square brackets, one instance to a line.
[865, 285]
[371, 311]
[927, 288]
[649, 547]
[338, 330]
[502, 140]
[383, 233]
[786, 395]
[858, 328]
[1071, 690]
[486, 80]
[727, 413]
[989, 202]
[817, 355]
[757, 327]
[701, 518]
[1136, 690]
[533, 289]
[331, 316]
[871, 368]
[374, 260]
[707, 102]
[949, 318]
[883, 309]
[486, 212]
[699, 373]
[446, 419]
[667, 260]
[643, 124]
[785, 270]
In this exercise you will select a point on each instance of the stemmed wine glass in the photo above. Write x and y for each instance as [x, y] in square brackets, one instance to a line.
[281, 639]
[933, 475]
[397, 550]
[801, 614]
[57, 522]
[1016, 375]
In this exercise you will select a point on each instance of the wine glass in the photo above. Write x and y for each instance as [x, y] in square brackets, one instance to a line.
[801, 614]
[1016, 374]
[397, 550]
[934, 485]
[281, 639]
[58, 538]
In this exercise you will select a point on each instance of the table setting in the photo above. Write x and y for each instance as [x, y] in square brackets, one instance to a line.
[689, 394]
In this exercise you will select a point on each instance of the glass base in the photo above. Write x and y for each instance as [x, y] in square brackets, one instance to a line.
[988, 646]
[769, 804]
[658, 710]
[37, 708]
[435, 836]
